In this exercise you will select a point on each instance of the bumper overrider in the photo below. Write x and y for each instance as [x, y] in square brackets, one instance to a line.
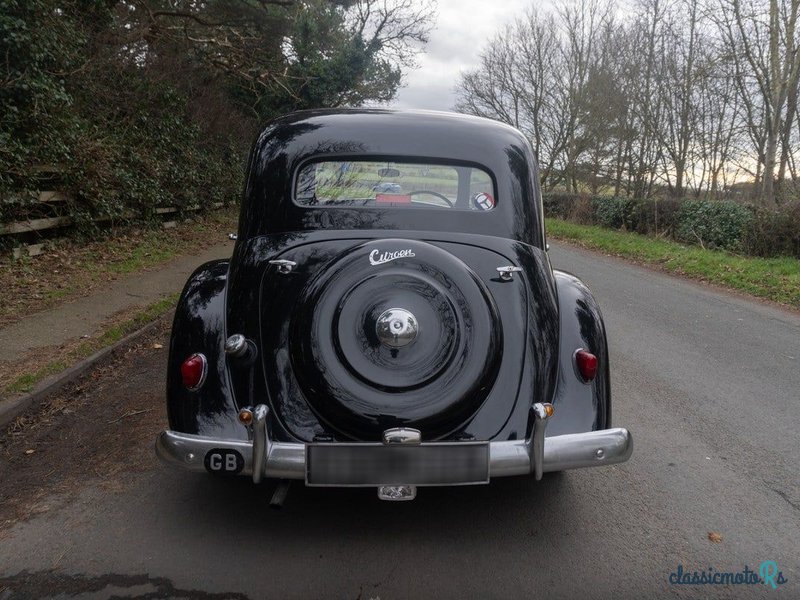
[400, 460]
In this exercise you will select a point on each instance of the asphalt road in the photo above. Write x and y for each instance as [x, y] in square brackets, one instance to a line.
[708, 383]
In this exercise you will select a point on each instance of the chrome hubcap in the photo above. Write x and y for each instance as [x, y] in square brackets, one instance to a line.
[396, 328]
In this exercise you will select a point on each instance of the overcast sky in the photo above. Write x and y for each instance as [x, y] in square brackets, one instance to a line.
[463, 27]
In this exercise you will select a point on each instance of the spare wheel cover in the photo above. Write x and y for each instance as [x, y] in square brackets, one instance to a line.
[361, 378]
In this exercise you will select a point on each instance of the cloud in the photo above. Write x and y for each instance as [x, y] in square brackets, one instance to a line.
[463, 29]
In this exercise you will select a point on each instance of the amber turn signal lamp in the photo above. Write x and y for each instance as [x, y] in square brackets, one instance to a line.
[245, 416]
[193, 371]
[586, 362]
[548, 409]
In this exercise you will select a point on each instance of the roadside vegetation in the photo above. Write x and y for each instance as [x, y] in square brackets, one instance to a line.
[73, 268]
[26, 376]
[130, 106]
[776, 279]
[711, 224]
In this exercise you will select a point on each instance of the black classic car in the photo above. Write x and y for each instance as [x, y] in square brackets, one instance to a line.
[389, 317]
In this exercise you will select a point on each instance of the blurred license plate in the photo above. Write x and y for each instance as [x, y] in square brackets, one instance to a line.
[377, 464]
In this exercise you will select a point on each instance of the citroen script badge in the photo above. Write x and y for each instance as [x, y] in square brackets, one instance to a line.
[376, 257]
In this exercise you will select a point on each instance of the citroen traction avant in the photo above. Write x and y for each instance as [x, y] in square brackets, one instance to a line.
[389, 317]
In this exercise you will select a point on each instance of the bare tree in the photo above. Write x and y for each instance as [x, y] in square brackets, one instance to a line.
[395, 30]
[581, 23]
[677, 91]
[535, 50]
[492, 90]
[763, 42]
[514, 83]
[675, 95]
[788, 149]
[646, 152]
[718, 119]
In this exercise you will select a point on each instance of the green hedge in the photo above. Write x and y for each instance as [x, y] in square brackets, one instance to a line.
[117, 138]
[712, 224]
[616, 212]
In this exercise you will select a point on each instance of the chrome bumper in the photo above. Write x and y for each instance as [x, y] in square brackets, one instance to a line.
[266, 458]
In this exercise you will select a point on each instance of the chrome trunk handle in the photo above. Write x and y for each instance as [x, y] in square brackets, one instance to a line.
[284, 266]
[507, 272]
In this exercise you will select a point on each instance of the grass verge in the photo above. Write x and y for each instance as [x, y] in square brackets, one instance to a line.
[27, 381]
[776, 279]
[70, 269]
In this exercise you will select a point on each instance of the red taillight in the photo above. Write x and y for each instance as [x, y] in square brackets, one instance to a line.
[193, 371]
[586, 363]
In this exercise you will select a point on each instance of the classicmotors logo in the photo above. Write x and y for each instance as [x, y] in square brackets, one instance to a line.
[767, 574]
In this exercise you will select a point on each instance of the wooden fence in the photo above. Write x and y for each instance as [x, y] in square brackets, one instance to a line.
[44, 227]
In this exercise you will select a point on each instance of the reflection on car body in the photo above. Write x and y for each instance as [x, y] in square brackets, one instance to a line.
[387, 187]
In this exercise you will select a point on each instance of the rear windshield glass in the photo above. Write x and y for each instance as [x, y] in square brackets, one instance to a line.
[393, 184]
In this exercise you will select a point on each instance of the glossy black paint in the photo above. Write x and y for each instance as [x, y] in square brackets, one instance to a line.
[488, 348]
[199, 326]
[360, 387]
[580, 406]
[530, 359]
[415, 136]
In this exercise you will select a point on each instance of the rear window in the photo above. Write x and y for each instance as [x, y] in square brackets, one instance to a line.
[393, 184]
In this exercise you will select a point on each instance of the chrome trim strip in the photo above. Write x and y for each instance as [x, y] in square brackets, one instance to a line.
[536, 448]
[284, 266]
[189, 451]
[288, 460]
[590, 449]
[260, 450]
[509, 458]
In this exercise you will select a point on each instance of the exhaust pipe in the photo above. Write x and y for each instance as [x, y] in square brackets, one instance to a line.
[280, 493]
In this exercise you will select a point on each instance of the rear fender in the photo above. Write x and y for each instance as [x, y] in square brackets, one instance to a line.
[199, 326]
[580, 406]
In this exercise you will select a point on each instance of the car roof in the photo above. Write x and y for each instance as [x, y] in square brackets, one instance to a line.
[290, 141]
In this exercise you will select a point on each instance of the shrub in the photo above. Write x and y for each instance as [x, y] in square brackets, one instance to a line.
[558, 205]
[667, 222]
[582, 211]
[713, 224]
[608, 211]
[653, 217]
[774, 233]
[616, 212]
[121, 137]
